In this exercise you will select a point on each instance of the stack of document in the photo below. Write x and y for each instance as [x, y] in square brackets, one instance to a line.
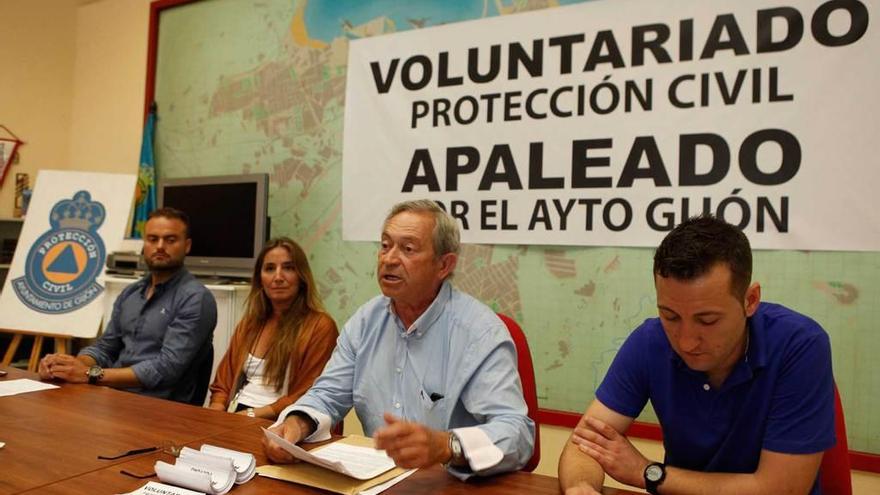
[212, 470]
[348, 466]
[362, 463]
[245, 463]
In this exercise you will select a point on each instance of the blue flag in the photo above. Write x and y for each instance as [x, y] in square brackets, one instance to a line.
[145, 194]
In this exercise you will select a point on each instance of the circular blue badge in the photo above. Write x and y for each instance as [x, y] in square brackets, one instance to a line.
[63, 264]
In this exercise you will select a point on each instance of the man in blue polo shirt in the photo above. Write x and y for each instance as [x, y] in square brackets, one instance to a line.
[743, 389]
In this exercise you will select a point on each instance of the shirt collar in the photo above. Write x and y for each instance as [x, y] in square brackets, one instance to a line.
[177, 277]
[426, 319]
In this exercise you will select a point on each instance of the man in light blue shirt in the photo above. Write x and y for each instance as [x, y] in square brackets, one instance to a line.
[430, 371]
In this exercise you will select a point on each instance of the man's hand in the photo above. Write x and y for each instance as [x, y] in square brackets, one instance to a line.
[45, 364]
[64, 367]
[293, 429]
[412, 445]
[612, 450]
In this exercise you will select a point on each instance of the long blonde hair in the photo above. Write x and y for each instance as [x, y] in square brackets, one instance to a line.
[305, 308]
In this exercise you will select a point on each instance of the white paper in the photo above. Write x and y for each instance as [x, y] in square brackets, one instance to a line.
[362, 463]
[245, 463]
[222, 476]
[222, 469]
[153, 488]
[208, 461]
[23, 386]
[212, 470]
[376, 490]
[193, 477]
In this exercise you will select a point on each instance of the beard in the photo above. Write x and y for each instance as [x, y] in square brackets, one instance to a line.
[166, 265]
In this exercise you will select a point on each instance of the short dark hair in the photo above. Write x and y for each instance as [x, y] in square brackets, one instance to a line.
[169, 212]
[700, 243]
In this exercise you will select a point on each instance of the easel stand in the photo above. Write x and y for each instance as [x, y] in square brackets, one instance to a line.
[62, 344]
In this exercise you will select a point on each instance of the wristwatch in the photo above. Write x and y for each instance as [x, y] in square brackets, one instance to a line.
[95, 373]
[654, 474]
[457, 457]
[250, 412]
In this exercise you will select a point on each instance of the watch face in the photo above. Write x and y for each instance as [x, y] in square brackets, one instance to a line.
[95, 373]
[654, 472]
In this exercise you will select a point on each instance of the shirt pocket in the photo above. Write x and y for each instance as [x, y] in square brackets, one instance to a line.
[433, 408]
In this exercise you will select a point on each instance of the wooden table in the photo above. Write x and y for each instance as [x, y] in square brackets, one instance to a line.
[53, 439]
[56, 434]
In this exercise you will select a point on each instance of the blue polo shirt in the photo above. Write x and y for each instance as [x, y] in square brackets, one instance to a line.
[779, 397]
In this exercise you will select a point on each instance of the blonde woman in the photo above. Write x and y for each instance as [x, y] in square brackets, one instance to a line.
[282, 342]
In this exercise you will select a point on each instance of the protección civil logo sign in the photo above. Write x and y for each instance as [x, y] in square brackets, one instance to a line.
[63, 265]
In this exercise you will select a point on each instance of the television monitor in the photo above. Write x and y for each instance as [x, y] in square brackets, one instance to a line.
[228, 220]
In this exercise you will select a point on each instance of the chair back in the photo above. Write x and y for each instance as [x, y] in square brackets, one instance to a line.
[338, 428]
[202, 367]
[527, 378]
[834, 473]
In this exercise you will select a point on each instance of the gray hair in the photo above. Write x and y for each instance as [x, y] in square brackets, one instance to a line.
[445, 234]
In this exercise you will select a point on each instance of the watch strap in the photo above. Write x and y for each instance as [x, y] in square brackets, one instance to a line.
[456, 457]
[652, 484]
[94, 373]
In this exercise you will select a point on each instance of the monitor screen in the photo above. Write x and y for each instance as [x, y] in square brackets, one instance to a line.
[228, 224]
[221, 217]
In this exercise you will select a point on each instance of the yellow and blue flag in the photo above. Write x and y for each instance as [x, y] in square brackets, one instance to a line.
[145, 194]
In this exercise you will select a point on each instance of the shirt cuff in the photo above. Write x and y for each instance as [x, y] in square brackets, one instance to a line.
[321, 433]
[98, 359]
[478, 448]
[146, 374]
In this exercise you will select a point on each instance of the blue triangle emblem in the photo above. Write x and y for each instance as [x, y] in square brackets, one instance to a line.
[64, 263]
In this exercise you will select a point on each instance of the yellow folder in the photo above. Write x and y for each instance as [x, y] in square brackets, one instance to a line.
[318, 477]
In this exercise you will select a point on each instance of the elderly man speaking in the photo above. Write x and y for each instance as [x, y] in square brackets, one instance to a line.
[430, 371]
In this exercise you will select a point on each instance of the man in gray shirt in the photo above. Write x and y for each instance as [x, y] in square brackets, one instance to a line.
[159, 339]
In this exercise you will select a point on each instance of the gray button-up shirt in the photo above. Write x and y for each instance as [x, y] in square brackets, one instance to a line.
[166, 340]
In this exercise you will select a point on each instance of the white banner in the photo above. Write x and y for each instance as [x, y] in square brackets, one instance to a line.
[608, 122]
[53, 284]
